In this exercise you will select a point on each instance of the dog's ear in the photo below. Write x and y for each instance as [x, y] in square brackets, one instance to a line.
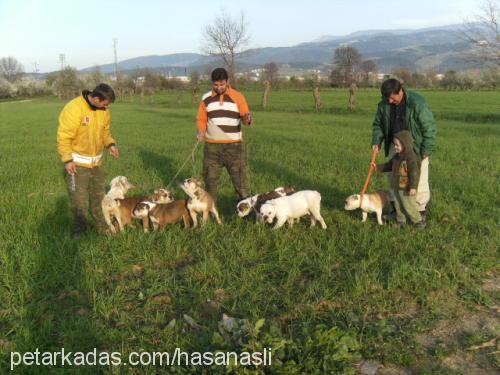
[124, 183]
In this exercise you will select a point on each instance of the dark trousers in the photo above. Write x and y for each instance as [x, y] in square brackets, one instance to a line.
[231, 156]
[86, 190]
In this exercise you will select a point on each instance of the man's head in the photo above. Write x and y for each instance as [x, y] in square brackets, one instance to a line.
[219, 80]
[392, 90]
[102, 96]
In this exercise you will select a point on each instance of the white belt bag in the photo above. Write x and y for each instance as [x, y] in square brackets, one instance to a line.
[89, 160]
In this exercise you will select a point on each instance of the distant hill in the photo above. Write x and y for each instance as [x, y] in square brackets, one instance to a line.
[440, 48]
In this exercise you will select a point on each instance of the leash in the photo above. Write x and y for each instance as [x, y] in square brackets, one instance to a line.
[368, 178]
[190, 157]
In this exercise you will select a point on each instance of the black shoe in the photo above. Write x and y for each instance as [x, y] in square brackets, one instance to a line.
[391, 216]
[420, 225]
[423, 214]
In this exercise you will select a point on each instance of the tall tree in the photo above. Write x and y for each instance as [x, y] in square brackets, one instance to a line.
[347, 61]
[225, 38]
[483, 32]
[10, 68]
[270, 73]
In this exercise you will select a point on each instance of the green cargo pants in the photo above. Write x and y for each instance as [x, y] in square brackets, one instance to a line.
[406, 205]
[86, 190]
[231, 156]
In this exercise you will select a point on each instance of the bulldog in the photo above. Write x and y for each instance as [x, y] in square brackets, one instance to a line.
[373, 202]
[291, 207]
[127, 205]
[199, 202]
[110, 205]
[246, 206]
[163, 214]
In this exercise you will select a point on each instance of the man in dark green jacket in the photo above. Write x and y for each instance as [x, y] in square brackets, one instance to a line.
[401, 109]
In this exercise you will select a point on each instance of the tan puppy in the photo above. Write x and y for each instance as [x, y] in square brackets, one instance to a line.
[199, 202]
[164, 214]
[373, 202]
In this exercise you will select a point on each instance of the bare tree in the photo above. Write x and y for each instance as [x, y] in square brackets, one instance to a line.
[10, 68]
[483, 32]
[367, 68]
[96, 77]
[265, 95]
[225, 38]
[270, 73]
[317, 98]
[347, 62]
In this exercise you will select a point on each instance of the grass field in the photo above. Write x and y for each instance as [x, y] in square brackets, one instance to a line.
[412, 301]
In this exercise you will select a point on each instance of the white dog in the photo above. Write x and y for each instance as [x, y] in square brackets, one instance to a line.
[110, 207]
[290, 207]
[373, 202]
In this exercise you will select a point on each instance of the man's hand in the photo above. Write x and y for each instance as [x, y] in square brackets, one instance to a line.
[113, 151]
[375, 148]
[413, 192]
[200, 136]
[248, 118]
[70, 167]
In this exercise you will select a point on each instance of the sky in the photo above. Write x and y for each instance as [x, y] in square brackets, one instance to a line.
[36, 31]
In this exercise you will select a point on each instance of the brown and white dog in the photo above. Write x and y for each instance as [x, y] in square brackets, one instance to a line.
[161, 215]
[373, 202]
[109, 204]
[253, 203]
[127, 205]
[199, 202]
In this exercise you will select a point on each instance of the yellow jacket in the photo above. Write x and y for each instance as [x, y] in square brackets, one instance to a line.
[83, 133]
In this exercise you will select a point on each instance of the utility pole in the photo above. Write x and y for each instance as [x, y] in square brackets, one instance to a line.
[35, 68]
[115, 41]
[62, 60]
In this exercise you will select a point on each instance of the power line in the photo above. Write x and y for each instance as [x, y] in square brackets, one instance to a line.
[62, 60]
[115, 41]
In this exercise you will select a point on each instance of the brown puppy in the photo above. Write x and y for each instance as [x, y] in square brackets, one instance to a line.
[170, 213]
[199, 201]
[127, 205]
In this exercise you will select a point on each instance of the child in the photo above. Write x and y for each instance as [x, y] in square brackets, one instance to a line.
[405, 174]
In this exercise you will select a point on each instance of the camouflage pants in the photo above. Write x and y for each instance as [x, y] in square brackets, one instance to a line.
[231, 156]
[406, 206]
[86, 190]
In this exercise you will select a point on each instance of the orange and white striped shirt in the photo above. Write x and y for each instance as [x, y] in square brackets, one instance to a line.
[219, 116]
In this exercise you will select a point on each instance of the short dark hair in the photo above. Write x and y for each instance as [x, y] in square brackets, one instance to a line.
[103, 92]
[219, 74]
[390, 86]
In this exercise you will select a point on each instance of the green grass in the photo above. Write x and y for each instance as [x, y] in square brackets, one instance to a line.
[329, 298]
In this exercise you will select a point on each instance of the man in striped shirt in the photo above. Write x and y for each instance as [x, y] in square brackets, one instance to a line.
[220, 114]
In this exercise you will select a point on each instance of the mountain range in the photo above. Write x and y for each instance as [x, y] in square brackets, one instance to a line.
[440, 48]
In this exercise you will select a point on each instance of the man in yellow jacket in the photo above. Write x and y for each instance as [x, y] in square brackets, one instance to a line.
[83, 133]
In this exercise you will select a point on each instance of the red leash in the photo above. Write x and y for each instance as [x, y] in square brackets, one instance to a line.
[368, 178]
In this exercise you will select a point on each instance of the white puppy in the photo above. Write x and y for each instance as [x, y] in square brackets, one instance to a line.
[373, 202]
[290, 207]
[109, 204]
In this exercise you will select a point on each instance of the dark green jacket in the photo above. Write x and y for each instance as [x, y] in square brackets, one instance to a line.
[406, 167]
[419, 122]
